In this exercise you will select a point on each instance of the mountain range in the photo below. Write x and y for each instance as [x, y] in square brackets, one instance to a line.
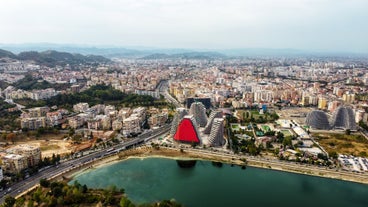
[52, 58]
[170, 53]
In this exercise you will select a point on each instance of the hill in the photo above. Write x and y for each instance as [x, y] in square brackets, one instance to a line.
[52, 58]
[187, 55]
[61, 194]
[5, 53]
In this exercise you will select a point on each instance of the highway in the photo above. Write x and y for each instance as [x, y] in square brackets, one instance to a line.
[163, 91]
[317, 170]
[68, 165]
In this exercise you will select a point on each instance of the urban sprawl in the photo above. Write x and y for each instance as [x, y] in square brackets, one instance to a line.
[304, 109]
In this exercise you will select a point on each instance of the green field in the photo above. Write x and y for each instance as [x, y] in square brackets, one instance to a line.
[235, 127]
[266, 128]
[286, 133]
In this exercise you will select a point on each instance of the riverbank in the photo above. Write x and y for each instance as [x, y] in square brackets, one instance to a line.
[172, 153]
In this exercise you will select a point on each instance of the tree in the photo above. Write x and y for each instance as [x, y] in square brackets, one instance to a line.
[71, 132]
[333, 154]
[287, 141]
[322, 156]
[280, 137]
[347, 131]
[44, 183]
[363, 125]
[125, 202]
[10, 137]
[9, 201]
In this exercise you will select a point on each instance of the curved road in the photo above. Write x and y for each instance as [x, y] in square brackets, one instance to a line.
[63, 167]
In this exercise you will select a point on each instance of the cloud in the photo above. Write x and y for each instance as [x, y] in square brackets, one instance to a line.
[304, 24]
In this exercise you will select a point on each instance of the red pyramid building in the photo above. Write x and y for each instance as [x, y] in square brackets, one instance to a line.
[186, 131]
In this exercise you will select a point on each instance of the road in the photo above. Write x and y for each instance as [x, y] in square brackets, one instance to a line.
[66, 166]
[163, 89]
[317, 170]
[63, 167]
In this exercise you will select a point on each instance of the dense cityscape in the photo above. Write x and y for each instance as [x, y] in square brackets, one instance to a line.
[300, 109]
[157, 103]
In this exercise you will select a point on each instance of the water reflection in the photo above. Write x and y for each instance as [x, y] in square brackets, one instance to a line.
[186, 163]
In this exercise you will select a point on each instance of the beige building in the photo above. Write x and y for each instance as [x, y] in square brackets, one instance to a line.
[75, 122]
[33, 123]
[30, 152]
[14, 163]
[80, 107]
[322, 103]
[38, 111]
[157, 120]
[117, 125]
[131, 125]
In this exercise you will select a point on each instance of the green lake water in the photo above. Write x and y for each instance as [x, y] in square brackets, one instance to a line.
[205, 184]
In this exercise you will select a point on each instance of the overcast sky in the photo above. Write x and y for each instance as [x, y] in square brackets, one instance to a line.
[332, 25]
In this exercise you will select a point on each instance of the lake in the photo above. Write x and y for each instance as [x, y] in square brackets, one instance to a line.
[213, 184]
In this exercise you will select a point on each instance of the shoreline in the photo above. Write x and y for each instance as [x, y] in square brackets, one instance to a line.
[170, 153]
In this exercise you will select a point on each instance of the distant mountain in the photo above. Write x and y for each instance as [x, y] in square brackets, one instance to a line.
[52, 58]
[162, 53]
[5, 53]
[156, 56]
[188, 55]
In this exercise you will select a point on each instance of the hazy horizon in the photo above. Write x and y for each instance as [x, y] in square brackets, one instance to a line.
[307, 25]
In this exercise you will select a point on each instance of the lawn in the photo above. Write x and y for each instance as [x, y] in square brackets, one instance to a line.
[49, 147]
[354, 144]
[286, 133]
[266, 128]
[235, 127]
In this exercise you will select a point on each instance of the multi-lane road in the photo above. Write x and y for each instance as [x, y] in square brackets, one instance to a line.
[68, 165]
[163, 89]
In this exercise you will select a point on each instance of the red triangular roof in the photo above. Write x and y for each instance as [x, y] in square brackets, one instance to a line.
[186, 132]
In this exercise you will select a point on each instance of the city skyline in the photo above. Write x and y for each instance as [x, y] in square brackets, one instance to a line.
[304, 24]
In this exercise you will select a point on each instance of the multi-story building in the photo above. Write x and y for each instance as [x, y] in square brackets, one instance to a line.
[33, 123]
[75, 122]
[263, 96]
[187, 131]
[38, 111]
[198, 110]
[54, 118]
[305, 100]
[157, 120]
[99, 122]
[153, 93]
[1, 174]
[214, 114]
[322, 103]
[30, 152]
[216, 137]
[348, 97]
[14, 163]
[80, 107]
[131, 125]
[117, 125]
[180, 113]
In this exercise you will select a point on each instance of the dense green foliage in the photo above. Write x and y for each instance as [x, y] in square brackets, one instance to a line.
[52, 58]
[3, 84]
[61, 194]
[30, 83]
[5, 53]
[8, 120]
[363, 125]
[98, 94]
